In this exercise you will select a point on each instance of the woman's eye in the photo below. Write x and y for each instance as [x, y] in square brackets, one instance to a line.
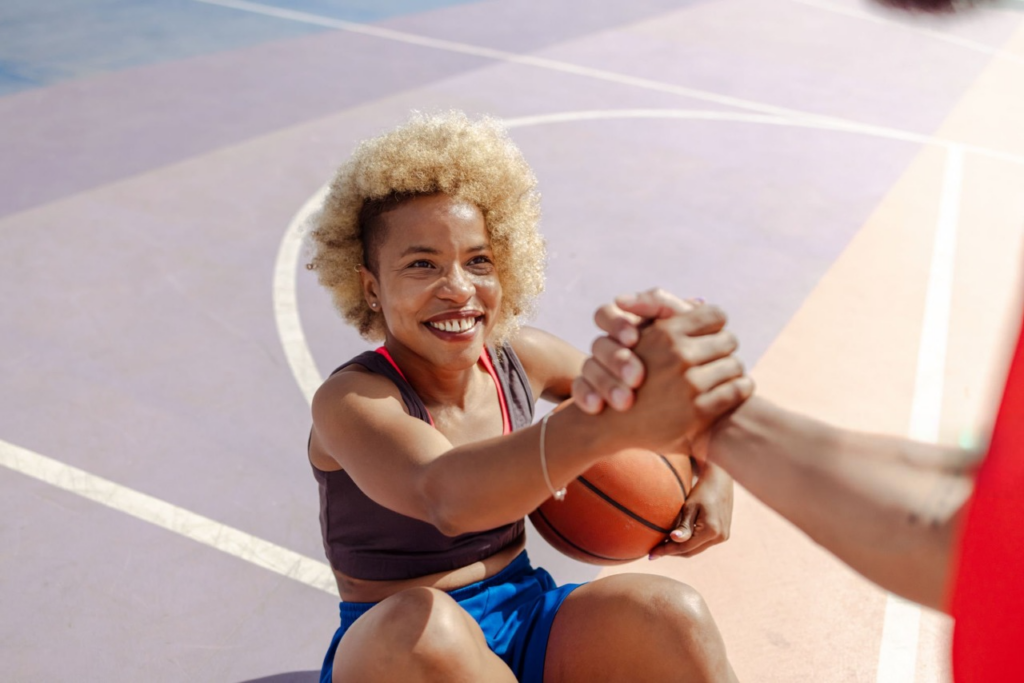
[420, 264]
[480, 260]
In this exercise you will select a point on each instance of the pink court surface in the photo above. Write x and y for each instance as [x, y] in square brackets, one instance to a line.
[847, 183]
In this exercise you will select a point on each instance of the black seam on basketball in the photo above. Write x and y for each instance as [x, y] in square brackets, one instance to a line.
[582, 550]
[682, 486]
[620, 507]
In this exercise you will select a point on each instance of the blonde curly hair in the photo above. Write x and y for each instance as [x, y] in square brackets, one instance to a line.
[470, 161]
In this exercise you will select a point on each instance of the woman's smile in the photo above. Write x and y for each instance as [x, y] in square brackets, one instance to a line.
[456, 326]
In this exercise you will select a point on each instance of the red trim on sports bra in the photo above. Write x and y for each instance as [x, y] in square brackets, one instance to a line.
[485, 358]
[384, 352]
[506, 420]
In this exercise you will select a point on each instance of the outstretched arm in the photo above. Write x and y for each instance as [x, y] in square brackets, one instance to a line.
[400, 462]
[887, 506]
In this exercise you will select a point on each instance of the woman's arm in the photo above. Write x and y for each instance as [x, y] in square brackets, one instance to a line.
[406, 465]
[409, 466]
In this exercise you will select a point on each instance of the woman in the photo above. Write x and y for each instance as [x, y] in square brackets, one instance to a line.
[424, 450]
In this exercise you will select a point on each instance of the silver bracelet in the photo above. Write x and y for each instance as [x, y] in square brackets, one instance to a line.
[560, 493]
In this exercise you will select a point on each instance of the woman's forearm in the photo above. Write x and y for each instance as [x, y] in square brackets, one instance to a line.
[493, 482]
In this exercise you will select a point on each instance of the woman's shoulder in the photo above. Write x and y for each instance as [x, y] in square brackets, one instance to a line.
[352, 382]
[340, 409]
[548, 360]
[532, 344]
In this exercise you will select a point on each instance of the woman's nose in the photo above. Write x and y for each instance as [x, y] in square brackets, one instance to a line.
[457, 284]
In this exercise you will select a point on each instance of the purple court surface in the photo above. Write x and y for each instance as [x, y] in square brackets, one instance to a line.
[161, 337]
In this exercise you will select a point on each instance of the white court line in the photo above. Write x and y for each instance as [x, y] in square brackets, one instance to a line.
[227, 539]
[816, 123]
[897, 658]
[286, 304]
[937, 35]
[502, 56]
[931, 355]
[808, 118]
[512, 57]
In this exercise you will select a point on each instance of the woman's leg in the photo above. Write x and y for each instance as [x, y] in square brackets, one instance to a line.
[635, 627]
[417, 636]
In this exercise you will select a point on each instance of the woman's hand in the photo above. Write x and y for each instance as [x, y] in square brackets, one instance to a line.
[692, 332]
[706, 518]
[614, 371]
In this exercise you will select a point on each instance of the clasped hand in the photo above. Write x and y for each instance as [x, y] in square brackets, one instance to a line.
[659, 349]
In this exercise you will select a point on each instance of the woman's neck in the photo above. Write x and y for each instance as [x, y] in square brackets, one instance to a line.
[438, 385]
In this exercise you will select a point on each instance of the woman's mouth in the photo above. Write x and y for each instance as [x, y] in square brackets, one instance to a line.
[457, 326]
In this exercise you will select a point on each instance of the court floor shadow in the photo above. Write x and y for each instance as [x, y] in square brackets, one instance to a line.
[289, 677]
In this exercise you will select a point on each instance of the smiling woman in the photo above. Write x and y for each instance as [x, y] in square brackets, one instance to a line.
[475, 164]
[424, 449]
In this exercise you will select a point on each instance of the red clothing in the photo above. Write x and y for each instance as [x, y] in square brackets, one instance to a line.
[988, 597]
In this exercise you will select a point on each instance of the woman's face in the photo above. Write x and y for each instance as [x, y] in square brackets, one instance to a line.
[436, 284]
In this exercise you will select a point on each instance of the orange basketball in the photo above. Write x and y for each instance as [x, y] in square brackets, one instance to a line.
[619, 509]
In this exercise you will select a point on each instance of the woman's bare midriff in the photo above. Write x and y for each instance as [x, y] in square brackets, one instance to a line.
[362, 590]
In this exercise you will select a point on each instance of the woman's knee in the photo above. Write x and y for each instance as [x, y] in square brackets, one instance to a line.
[426, 623]
[637, 625]
[680, 602]
[653, 597]
[679, 623]
[420, 634]
[665, 609]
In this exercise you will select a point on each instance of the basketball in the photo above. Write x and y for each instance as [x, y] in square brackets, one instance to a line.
[619, 509]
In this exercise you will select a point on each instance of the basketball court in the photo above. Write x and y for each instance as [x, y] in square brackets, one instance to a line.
[845, 182]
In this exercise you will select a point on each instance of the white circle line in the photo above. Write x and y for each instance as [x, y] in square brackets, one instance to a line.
[286, 313]
[814, 122]
[286, 305]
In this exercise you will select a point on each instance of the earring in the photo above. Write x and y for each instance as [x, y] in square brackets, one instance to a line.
[373, 305]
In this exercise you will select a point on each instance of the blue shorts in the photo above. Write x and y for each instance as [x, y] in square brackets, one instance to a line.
[515, 609]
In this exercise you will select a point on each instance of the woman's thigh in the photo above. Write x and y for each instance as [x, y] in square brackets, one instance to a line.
[417, 635]
[635, 627]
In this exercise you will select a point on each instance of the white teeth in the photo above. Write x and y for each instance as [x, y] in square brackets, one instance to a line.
[460, 325]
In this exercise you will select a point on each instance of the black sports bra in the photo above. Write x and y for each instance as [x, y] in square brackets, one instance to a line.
[366, 540]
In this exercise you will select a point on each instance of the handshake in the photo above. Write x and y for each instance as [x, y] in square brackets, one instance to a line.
[667, 366]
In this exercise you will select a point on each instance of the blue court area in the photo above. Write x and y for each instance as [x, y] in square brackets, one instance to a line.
[48, 42]
[161, 336]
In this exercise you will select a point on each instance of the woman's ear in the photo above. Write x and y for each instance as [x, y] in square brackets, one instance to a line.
[371, 288]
